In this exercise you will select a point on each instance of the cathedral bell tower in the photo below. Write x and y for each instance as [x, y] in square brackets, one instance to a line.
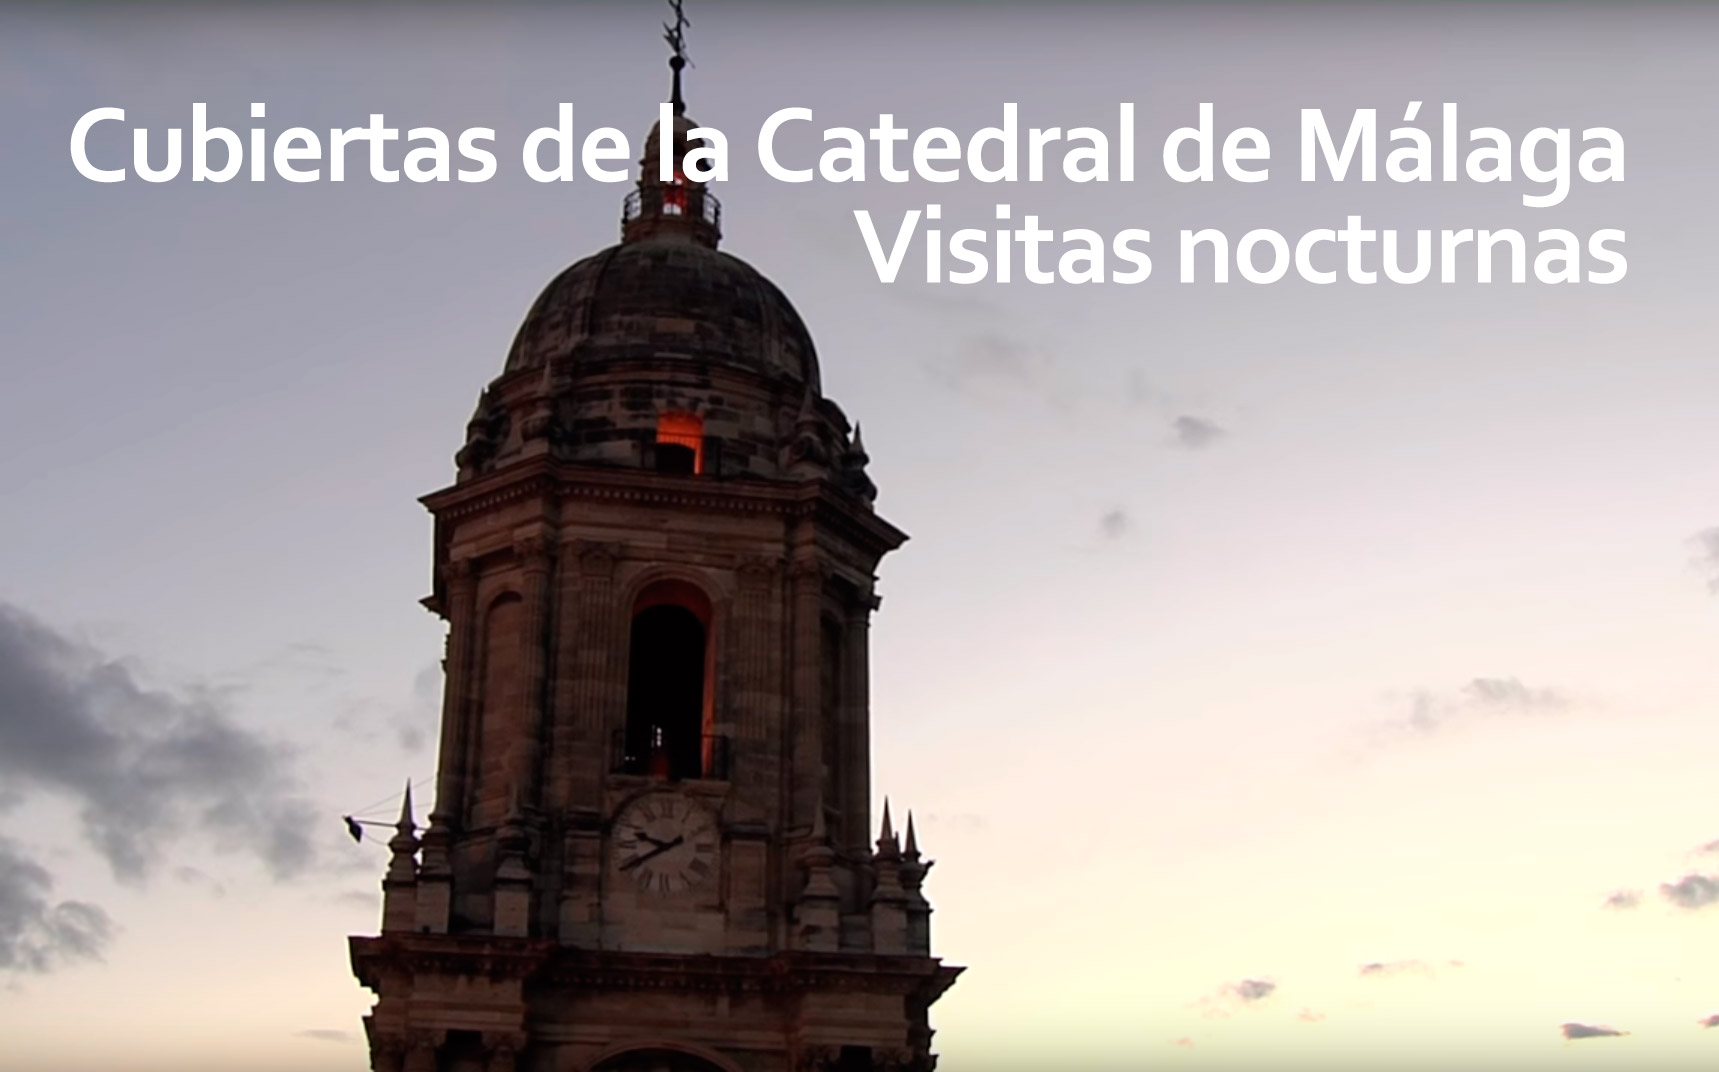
[651, 848]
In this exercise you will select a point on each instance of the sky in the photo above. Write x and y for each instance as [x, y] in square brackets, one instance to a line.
[1282, 675]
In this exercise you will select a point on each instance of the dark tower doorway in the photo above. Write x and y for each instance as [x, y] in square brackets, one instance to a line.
[667, 686]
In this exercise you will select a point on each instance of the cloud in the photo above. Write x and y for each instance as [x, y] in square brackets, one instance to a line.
[1623, 900]
[1309, 1016]
[327, 1034]
[1692, 891]
[144, 766]
[958, 822]
[37, 935]
[1507, 693]
[414, 727]
[988, 365]
[1484, 697]
[1234, 996]
[356, 899]
[1707, 556]
[1384, 969]
[1114, 525]
[190, 876]
[1252, 990]
[1195, 433]
[1588, 1031]
[1184, 1042]
[1709, 1021]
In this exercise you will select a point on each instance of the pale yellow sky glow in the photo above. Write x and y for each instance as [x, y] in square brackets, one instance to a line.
[1284, 677]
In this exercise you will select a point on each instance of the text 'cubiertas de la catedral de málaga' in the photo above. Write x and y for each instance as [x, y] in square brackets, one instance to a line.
[1550, 160]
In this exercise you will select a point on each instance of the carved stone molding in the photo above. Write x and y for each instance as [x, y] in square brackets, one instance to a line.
[809, 569]
[816, 1058]
[502, 1050]
[532, 549]
[597, 559]
[460, 570]
[757, 571]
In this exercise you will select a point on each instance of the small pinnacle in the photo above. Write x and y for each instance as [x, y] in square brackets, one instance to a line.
[888, 832]
[859, 443]
[406, 824]
[912, 841]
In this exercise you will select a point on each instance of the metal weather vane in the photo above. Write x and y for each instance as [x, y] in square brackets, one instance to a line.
[675, 34]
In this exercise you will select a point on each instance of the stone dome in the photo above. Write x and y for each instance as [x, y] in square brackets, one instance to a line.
[665, 297]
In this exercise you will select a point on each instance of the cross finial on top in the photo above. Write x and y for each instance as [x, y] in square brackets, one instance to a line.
[675, 35]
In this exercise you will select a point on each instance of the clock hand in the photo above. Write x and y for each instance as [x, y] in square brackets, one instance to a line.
[646, 837]
[658, 851]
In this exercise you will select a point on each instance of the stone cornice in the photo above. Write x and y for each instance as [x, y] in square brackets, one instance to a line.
[545, 962]
[547, 477]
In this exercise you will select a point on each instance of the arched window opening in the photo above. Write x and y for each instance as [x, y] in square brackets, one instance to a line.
[680, 443]
[669, 696]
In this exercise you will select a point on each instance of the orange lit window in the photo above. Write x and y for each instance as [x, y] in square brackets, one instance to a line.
[674, 197]
[680, 443]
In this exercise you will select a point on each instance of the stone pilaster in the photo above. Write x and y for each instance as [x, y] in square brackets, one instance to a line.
[807, 580]
[581, 876]
[533, 552]
[592, 667]
[420, 1051]
[856, 727]
[460, 580]
[755, 650]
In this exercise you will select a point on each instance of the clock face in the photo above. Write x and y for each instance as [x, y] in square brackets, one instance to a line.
[665, 844]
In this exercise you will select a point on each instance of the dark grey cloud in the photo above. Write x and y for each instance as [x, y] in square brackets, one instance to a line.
[1195, 433]
[36, 934]
[1707, 556]
[1692, 891]
[328, 1034]
[1588, 1031]
[144, 766]
[1114, 524]
[1622, 900]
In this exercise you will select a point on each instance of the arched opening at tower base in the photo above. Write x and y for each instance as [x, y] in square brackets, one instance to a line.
[669, 699]
[657, 1060]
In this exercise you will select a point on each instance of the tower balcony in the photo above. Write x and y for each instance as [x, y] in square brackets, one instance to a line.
[669, 763]
[676, 207]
